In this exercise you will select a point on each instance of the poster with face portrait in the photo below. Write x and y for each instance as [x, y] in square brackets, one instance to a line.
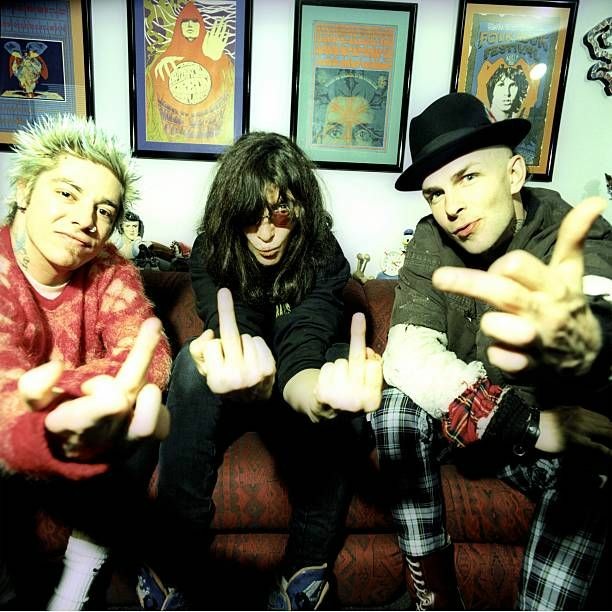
[514, 58]
[351, 74]
[190, 61]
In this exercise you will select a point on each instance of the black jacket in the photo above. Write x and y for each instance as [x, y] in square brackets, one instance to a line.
[298, 336]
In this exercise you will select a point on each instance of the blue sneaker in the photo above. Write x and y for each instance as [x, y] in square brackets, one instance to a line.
[305, 590]
[153, 595]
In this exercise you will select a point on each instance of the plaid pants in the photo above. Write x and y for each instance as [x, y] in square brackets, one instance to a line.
[561, 557]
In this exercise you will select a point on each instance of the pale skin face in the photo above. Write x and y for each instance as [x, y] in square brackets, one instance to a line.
[541, 316]
[474, 199]
[347, 120]
[267, 242]
[67, 219]
[130, 230]
[504, 93]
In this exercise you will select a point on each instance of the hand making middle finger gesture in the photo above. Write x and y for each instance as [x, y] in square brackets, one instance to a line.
[542, 308]
[111, 409]
[354, 384]
[234, 362]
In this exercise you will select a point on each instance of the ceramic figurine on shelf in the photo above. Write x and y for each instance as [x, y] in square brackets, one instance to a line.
[362, 262]
[393, 259]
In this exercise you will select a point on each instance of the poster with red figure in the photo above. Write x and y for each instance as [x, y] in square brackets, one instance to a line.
[190, 62]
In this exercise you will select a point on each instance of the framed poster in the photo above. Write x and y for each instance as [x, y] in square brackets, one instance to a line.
[351, 78]
[189, 66]
[514, 57]
[46, 64]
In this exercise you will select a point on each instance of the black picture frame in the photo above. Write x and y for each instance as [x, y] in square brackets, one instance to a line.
[189, 89]
[47, 59]
[352, 66]
[523, 47]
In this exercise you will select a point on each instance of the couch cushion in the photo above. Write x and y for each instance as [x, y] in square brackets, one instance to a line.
[485, 509]
[251, 496]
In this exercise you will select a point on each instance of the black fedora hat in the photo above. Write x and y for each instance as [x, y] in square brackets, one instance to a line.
[453, 125]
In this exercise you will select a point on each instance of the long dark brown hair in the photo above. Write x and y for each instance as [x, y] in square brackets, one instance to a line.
[237, 199]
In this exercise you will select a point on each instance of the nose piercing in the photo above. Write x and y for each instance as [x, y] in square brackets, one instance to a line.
[91, 229]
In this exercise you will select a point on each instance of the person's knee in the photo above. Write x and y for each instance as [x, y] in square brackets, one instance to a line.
[399, 413]
[186, 382]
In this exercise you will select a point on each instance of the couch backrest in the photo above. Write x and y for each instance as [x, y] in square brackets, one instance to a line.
[174, 303]
[375, 300]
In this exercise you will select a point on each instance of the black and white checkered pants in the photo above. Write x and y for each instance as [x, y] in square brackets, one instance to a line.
[561, 556]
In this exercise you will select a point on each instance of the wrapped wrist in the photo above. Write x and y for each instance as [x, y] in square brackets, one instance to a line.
[530, 436]
[515, 424]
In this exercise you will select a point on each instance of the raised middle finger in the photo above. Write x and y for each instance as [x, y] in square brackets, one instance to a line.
[357, 347]
[132, 374]
[228, 328]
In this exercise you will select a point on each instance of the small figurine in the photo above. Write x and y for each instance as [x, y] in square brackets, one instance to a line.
[393, 260]
[146, 253]
[362, 262]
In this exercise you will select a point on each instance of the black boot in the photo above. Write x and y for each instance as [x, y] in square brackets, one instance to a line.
[432, 581]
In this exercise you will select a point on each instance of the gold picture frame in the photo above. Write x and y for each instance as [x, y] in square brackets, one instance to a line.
[47, 50]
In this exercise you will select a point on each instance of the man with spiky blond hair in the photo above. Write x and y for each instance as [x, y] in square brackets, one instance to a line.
[82, 360]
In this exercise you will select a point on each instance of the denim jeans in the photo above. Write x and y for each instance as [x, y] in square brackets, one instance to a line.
[314, 460]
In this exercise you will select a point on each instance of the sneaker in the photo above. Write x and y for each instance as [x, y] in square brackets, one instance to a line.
[153, 595]
[305, 590]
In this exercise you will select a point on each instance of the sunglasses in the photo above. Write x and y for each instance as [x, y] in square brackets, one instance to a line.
[280, 214]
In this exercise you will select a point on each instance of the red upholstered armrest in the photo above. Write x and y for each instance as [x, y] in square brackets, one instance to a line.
[375, 300]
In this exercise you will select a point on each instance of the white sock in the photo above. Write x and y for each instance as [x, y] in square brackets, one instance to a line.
[82, 562]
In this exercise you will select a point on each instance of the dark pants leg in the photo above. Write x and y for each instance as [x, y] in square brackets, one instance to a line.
[316, 461]
[113, 509]
[314, 458]
[319, 462]
[202, 428]
[7, 591]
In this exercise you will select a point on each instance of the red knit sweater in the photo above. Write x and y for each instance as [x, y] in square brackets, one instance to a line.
[90, 327]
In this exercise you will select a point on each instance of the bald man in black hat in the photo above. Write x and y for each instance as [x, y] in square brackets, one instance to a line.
[500, 348]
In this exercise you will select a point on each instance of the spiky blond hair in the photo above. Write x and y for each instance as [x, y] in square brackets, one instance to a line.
[40, 145]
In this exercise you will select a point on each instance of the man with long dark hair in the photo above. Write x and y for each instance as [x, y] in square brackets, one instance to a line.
[268, 276]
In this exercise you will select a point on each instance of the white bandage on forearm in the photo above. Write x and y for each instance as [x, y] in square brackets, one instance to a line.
[597, 285]
[417, 362]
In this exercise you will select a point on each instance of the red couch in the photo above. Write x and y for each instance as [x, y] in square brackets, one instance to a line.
[487, 520]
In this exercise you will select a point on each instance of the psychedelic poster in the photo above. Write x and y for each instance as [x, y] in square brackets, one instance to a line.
[512, 60]
[45, 62]
[190, 62]
[352, 66]
[352, 74]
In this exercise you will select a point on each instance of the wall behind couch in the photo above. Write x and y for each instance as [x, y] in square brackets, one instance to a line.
[369, 214]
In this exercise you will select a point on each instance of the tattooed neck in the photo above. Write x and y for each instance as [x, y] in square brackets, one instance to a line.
[20, 250]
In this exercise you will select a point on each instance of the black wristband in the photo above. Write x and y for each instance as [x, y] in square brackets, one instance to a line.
[530, 436]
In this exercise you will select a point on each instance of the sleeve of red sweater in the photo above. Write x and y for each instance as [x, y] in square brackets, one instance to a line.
[123, 307]
[116, 291]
